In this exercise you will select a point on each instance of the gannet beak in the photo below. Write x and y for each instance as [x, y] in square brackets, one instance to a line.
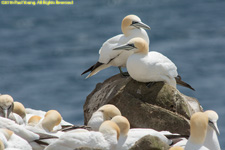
[215, 127]
[5, 111]
[141, 25]
[125, 47]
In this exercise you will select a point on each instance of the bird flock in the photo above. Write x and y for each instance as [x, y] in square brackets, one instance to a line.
[26, 129]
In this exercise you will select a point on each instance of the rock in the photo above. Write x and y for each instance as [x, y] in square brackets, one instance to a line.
[160, 107]
[149, 142]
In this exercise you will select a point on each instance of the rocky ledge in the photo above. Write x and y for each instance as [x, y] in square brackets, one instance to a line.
[160, 106]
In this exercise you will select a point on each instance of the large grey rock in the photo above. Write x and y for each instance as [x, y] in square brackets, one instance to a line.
[149, 142]
[160, 107]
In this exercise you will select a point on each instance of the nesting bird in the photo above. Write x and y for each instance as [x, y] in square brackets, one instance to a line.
[128, 136]
[131, 27]
[106, 138]
[105, 112]
[145, 66]
[6, 105]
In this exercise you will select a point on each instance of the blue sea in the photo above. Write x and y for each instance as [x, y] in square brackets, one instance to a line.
[44, 49]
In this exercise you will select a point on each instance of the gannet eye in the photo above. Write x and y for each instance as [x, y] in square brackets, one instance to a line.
[134, 22]
[131, 45]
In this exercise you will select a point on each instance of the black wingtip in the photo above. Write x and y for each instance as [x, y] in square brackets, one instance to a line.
[92, 68]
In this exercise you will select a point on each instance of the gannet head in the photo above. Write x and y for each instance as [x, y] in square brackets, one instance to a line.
[122, 123]
[213, 117]
[109, 111]
[52, 119]
[19, 109]
[176, 148]
[199, 124]
[2, 146]
[7, 133]
[132, 22]
[110, 127]
[6, 105]
[137, 45]
[34, 120]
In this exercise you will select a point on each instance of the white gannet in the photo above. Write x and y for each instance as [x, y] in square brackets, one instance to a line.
[211, 140]
[6, 105]
[47, 125]
[20, 110]
[14, 141]
[131, 27]
[6, 109]
[128, 136]
[105, 112]
[34, 120]
[31, 112]
[145, 66]
[198, 131]
[106, 138]
[18, 129]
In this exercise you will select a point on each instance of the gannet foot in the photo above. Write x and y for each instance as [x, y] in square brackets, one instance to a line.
[150, 84]
[123, 74]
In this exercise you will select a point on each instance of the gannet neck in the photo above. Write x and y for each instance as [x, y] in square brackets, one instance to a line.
[109, 111]
[34, 120]
[2, 147]
[122, 123]
[199, 124]
[6, 105]
[19, 109]
[126, 23]
[109, 128]
[140, 44]
[7, 133]
[52, 118]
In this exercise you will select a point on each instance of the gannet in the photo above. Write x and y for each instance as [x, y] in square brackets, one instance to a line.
[6, 105]
[18, 129]
[105, 112]
[145, 66]
[131, 27]
[20, 110]
[14, 141]
[211, 140]
[32, 112]
[198, 131]
[128, 136]
[47, 125]
[106, 138]
[6, 108]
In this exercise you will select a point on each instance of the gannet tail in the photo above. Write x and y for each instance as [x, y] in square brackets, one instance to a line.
[95, 69]
[182, 83]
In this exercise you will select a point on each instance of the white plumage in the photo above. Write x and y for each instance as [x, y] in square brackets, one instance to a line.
[131, 27]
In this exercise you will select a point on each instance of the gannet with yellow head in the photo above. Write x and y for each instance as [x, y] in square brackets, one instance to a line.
[106, 138]
[145, 66]
[131, 26]
[6, 105]
[128, 136]
[198, 131]
[211, 140]
[13, 141]
[105, 112]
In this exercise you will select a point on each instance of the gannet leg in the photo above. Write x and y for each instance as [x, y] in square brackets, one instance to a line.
[124, 74]
[150, 84]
